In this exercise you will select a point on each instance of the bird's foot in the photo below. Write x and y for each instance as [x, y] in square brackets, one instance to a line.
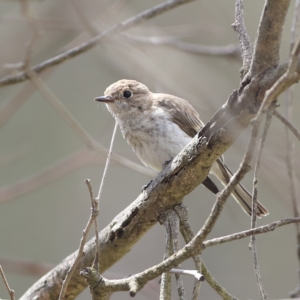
[165, 163]
[146, 185]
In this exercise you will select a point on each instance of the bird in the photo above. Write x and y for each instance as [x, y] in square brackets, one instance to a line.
[158, 126]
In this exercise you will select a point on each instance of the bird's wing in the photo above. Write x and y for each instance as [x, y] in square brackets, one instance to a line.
[182, 113]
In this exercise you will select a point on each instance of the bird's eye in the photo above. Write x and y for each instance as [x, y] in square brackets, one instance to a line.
[127, 94]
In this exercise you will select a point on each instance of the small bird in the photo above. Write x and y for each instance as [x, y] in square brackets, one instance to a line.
[158, 126]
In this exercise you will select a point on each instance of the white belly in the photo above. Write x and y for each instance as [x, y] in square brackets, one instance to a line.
[154, 142]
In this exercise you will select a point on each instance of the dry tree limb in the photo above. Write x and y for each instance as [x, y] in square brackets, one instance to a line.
[9, 290]
[230, 51]
[25, 267]
[247, 233]
[166, 278]
[254, 202]
[267, 44]
[80, 253]
[93, 219]
[287, 123]
[240, 28]
[290, 146]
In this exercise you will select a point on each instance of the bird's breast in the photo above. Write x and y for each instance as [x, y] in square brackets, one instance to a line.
[154, 138]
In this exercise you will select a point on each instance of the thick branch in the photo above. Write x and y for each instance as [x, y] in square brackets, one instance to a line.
[267, 44]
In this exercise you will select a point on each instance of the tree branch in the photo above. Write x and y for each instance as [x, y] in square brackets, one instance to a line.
[267, 44]
[110, 32]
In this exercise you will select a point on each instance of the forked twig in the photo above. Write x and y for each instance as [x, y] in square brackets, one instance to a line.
[9, 290]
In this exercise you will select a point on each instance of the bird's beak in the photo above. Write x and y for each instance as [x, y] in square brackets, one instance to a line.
[106, 99]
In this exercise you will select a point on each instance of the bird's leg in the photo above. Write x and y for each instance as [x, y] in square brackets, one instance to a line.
[165, 163]
[144, 187]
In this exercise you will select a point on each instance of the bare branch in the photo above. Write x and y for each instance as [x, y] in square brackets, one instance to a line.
[240, 28]
[267, 44]
[10, 107]
[9, 290]
[166, 278]
[107, 161]
[230, 51]
[287, 123]
[290, 146]
[62, 168]
[80, 252]
[110, 32]
[243, 234]
[25, 267]
[254, 202]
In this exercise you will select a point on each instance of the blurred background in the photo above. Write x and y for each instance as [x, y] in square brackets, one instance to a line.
[44, 201]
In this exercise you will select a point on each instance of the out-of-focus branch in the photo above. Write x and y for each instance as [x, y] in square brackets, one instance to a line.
[230, 51]
[10, 107]
[135, 282]
[254, 202]
[290, 147]
[25, 267]
[287, 123]
[69, 164]
[110, 32]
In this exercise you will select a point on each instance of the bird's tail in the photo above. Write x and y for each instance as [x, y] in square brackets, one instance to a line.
[241, 195]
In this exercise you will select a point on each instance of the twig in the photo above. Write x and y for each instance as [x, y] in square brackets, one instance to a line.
[137, 281]
[80, 252]
[173, 228]
[95, 212]
[287, 123]
[215, 285]
[243, 234]
[9, 290]
[52, 173]
[9, 108]
[110, 32]
[290, 147]
[231, 51]
[166, 278]
[32, 20]
[25, 267]
[240, 28]
[85, 20]
[107, 161]
[254, 202]
[170, 220]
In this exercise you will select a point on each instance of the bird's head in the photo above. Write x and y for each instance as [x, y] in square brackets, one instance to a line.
[126, 96]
